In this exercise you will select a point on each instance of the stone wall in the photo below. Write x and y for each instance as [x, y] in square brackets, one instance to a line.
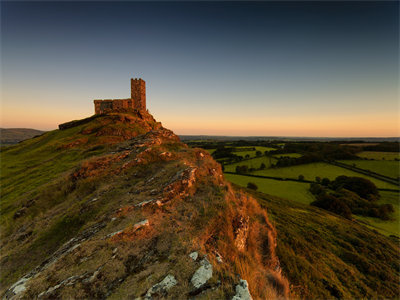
[136, 102]
[109, 105]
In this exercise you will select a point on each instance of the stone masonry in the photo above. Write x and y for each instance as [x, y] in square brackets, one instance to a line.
[136, 102]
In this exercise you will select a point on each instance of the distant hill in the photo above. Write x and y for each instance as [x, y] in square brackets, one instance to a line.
[9, 136]
[187, 138]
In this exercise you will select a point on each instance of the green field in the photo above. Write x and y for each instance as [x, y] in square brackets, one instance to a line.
[295, 155]
[310, 171]
[252, 163]
[385, 227]
[295, 191]
[389, 168]
[379, 155]
[253, 152]
[211, 151]
[298, 192]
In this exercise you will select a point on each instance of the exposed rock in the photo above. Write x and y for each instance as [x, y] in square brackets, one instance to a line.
[241, 232]
[17, 288]
[161, 288]
[141, 224]
[194, 255]
[242, 291]
[202, 274]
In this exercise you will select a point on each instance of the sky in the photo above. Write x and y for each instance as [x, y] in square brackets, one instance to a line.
[326, 69]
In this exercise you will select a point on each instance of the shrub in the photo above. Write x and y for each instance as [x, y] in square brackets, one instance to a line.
[252, 186]
[333, 204]
[325, 181]
[317, 189]
[361, 186]
[242, 169]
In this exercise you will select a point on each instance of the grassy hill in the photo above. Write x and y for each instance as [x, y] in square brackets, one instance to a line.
[112, 206]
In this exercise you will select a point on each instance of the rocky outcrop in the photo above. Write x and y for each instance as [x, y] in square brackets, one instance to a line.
[202, 274]
[242, 291]
[160, 289]
[133, 212]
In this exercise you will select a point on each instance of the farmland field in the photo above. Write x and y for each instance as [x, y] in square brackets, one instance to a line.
[295, 191]
[379, 155]
[310, 171]
[295, 155]
[252, 163]
[389, 168]
[211, 151]
[251, 153]
[298, 192]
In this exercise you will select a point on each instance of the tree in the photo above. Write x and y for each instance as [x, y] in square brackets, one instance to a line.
[242, 169]
[252, 186]
[301, 177]
[325, 181]
[262, 166]
[247, 156]
[332, 204]
[318, 179]
[258, 153]
[361, 186]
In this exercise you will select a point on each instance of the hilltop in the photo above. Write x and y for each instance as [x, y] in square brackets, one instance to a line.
[115, 206]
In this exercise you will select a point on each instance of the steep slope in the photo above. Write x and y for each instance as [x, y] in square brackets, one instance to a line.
[115, 206]
[325, 256]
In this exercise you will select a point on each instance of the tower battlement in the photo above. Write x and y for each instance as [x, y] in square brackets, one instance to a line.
[136, 102]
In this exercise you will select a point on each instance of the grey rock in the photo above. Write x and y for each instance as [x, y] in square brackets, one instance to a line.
[202, 274]
[242, 291]
[162, 287]
[194, 255]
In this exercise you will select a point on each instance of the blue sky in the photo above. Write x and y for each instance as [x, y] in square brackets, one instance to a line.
[226, 68]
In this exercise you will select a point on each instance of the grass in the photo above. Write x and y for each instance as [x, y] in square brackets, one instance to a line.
[295, 191]
[252, 163]
[211, 151]
[310, 171]
[379, 155]
[389, 168]
[252, 153]
[295, 155]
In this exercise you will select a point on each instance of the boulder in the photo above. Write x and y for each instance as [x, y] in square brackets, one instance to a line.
[202, 274]
[242, 291]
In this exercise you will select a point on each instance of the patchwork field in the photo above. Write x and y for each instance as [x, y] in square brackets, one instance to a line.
[298, 192]
[252, 163]
[379, 155]
[295, 191]
[295, 155]
[253, 152]
[389, 168]
[310, 171]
